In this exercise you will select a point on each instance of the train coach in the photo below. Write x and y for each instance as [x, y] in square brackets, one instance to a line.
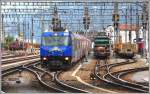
[61, 50]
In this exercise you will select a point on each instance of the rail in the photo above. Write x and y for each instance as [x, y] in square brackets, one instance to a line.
[66, 85]
[117, 81]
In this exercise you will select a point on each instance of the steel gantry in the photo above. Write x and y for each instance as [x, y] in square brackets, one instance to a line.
[71, 13]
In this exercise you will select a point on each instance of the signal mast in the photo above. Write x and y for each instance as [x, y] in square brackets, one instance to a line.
[56, 21]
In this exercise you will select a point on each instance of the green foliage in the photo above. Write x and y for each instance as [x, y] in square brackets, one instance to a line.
[8, 40]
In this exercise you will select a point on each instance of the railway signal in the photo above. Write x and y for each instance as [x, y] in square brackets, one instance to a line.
[86, 22]
[92, 76]
[32, 33]
[115, 17]
[20, 71]
[86, 18]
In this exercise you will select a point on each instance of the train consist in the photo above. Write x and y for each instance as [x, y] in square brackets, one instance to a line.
[61, 50]
[102, 46]
[19, 45]
[125, 50]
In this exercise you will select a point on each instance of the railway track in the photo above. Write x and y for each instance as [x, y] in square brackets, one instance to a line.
[71, 88]
[110, 78]
[21, 58]
[32, 69]
[4, 56]
[7, 56]
[117, 75]
[53, 82]
[13, 69]
[56, 85]
[39, 74]
[6, 53]
[23, 77]
[120, 74]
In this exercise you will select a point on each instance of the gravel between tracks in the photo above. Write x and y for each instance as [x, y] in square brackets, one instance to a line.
[138, 64]
[84, 74]
[130, 77]
[29, 84]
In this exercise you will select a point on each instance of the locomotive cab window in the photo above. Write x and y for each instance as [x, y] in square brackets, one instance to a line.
[101, 41]
[56, 41]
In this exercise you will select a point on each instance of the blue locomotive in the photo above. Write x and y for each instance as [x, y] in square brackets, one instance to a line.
[61, 50]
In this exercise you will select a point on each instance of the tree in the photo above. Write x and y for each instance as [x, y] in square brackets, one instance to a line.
[8, 41]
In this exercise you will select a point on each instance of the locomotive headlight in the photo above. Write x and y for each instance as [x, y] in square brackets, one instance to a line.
[66, 58]
[44, 58]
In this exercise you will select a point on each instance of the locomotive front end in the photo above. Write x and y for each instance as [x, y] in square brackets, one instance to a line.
[56, 50]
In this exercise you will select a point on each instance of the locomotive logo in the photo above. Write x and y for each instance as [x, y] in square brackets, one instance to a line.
[55, 49]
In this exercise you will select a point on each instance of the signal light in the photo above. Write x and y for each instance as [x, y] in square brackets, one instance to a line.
[115, 17]
[66, 58]
[84, 20]
[44, 58]
[32, 33]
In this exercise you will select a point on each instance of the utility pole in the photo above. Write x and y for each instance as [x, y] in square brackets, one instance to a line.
[115, 19]
[18, 27]
[86, 22]
[28, 33]
[130, 31]
[126, 26]
[137, 25]
[144, 24]
[24, 34]
[32, 34]
[148, 56]
[1, 33]
[42, 26]
[23, 25]
[2, 30]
